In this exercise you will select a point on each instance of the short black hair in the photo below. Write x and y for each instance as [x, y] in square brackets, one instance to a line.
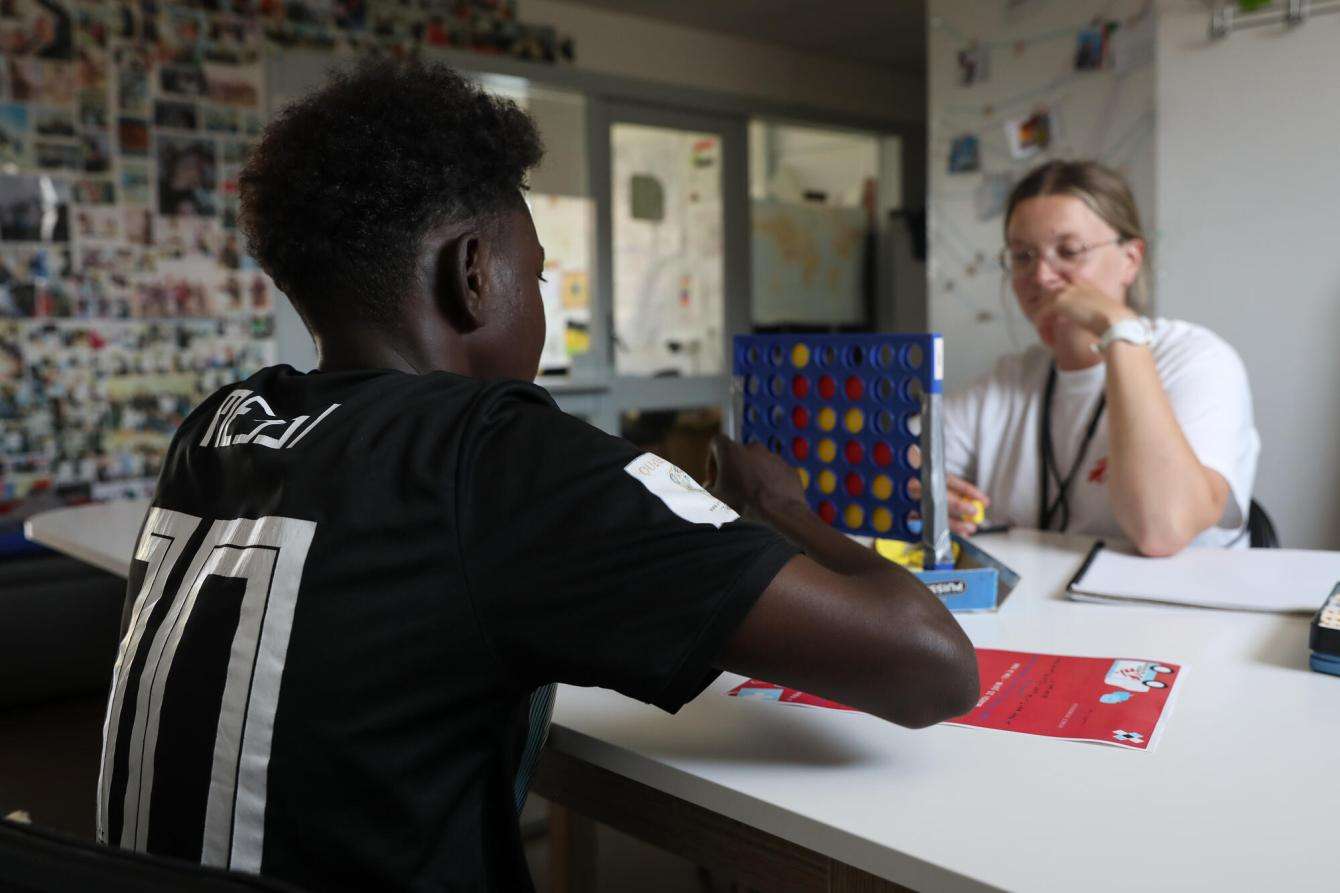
[345, 183]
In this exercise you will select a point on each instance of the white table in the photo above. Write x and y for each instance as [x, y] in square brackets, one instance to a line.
[1237, 795]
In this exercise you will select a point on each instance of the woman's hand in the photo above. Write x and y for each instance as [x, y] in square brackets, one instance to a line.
[967, 504]
[1079, 305]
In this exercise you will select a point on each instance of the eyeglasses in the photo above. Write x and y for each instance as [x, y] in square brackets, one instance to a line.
[1065, 256]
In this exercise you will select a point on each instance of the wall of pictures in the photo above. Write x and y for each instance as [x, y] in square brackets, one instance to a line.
[126, 295]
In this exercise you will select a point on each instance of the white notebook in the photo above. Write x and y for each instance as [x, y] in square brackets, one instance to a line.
[1278, 580]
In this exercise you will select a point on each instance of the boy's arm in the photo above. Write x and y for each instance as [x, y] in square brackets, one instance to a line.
[843, 622]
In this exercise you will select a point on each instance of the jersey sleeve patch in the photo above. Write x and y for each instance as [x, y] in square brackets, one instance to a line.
[680, 492]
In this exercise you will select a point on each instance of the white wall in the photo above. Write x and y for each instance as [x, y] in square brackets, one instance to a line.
[1249, 203]
[639, 47]
[1106, 114]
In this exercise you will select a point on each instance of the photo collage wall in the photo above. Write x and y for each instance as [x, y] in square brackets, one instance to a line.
[126, 294]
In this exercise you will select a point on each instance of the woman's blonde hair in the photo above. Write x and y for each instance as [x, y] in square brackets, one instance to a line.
[1106, 193]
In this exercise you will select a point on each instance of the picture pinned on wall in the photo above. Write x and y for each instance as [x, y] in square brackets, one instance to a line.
[135, 183]
[132, 135]
[186, 80]
[988, 199]
[132, 80]
[94, 192]
[965, 154]
[53, 123]
[93, 109]
[98, 223]
[187, 174]
[1093, 51]
[34, 209]
[974, 64]
[58, 156]
[14, 134]
[1031, 135]
[97, 153]
[177, 115]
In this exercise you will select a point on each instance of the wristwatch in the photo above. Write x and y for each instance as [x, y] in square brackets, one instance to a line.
[1134, 330]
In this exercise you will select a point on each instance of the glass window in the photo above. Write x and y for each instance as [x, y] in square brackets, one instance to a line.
[564, 212]
[817, 196]
[668, 270]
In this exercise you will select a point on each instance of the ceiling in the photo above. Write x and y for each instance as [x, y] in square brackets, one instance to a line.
[890, 33]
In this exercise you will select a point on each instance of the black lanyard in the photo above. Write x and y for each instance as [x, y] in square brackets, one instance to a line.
[1049, 509]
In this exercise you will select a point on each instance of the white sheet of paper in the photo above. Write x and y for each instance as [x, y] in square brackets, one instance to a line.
[1278, 580]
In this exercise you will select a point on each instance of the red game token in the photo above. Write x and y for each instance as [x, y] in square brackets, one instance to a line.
[800, 386]
[800, 447]
[854, 388]
[854, 452]
[854, 484]
[828, 511]
[800, 416]
[827, 387]
[882, 454]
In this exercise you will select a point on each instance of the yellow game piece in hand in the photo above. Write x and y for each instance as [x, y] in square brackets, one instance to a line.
[979, 515]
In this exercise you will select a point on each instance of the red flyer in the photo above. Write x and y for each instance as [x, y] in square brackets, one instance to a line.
[758, 690]
[1117, 701]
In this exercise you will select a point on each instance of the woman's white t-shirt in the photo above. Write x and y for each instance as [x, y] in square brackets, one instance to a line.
[992, 430]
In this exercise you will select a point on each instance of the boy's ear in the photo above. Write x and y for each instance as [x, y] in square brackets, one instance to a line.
[459, 284]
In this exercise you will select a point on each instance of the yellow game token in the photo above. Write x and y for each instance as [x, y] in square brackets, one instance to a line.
[827, 450]
[881, 487]
[804, 478]
[909, 555]
[853, 515]
[827, 418]
[978, 516]
[854, 420]
[800, 356]
[881, 519]
[827, 481]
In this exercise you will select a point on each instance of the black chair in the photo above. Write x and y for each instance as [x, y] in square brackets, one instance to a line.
[35, 860]
[1260, 529]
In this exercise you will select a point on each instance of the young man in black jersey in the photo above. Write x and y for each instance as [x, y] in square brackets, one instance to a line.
[351, 580]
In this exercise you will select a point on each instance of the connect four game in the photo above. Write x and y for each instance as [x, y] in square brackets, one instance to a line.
[846, 412]
[857, 416]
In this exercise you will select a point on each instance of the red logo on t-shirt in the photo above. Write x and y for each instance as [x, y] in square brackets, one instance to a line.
[1098, 474]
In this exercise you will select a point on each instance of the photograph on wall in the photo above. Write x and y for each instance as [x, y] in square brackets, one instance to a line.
[974, 64]
[34, 208]
[175, 115]
[1030, 135]
[58, 156]
[100, 224]
[94, 192]
[14, 135]
[53, 123]
[132, 137]
[40, 28]
[965, 154]
[135, 183]
[1093, 50]
[132, 81]
[988, 199]
[186, 80]
[97, 153]
[93, 109]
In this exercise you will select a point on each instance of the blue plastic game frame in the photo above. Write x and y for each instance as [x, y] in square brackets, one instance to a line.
[894, 371]
[891, 372]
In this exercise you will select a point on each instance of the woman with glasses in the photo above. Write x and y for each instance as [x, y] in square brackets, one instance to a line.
[1117, 425]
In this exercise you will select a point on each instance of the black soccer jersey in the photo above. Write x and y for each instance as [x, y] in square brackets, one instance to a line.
[345, 590]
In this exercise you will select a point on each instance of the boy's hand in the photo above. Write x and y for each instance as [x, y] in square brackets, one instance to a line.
[749, 478]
